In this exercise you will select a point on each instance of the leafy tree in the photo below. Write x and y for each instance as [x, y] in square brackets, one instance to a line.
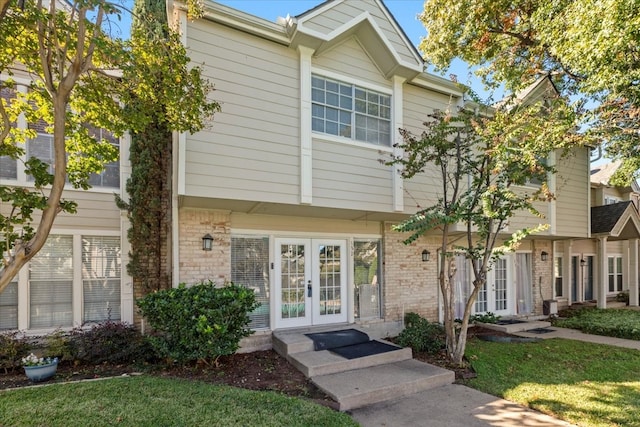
[149, 187]
[590, 48]
[483, 160]
[81, 79]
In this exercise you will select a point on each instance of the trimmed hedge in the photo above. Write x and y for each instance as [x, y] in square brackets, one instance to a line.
[421, 335]
[201, 322]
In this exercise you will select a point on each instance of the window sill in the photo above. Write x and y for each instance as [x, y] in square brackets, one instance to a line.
[341, 140]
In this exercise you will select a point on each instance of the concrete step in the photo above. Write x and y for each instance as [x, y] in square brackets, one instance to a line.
[314, 363]
[290, 341]
[366, 386]
[512, 328]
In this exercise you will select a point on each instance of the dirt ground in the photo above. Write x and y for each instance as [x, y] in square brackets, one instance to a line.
[261, 370]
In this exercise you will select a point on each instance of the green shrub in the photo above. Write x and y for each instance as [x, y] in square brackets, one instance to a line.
[487, 317]
[421, 335]
[619, 323]
[199, 322]
[109, 342]
[13, 347]
[58, 344]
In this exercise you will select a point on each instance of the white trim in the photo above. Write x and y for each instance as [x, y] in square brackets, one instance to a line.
[343, 140]
[397, 186]
[306, 140]
[552, 183]
[240, 232]
[77, 300]
[182, 168]
[351, 80]
[176, 182]
[182, 22]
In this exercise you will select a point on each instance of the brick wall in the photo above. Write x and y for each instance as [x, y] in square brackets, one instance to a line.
[542, 274]
[196, 264]
[410, 283]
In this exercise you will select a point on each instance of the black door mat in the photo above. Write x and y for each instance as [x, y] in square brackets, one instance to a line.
[540, 330]
[364, 349]
[333, 339]
[509, 322]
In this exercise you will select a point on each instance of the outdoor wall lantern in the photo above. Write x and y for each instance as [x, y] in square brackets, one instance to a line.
[583, 262]
[425, 255]
[207, 242]
[544, 256]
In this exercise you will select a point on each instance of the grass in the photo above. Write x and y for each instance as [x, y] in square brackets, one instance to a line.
[620, 323]
[583, 383]
[152, 401]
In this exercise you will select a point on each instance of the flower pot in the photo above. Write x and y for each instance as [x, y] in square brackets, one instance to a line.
[41, 372]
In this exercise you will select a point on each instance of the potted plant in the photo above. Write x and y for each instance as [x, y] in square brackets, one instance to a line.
[39, 368]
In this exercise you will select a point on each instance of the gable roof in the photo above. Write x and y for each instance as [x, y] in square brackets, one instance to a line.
[620, 221]
[601, 176]
[333, 21]
[374, 26]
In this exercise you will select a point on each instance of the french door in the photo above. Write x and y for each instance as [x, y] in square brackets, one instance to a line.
[495, 295]
[310, 282]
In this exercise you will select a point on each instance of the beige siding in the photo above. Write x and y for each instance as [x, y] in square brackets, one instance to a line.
[422, 190]
[419, 102]
[251, 150]
[345, 11]
[572, 190]
[350, 60]
[96, 211]
[350, 177]
[272, 223]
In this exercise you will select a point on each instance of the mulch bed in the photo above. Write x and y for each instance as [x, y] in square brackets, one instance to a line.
[260, 370]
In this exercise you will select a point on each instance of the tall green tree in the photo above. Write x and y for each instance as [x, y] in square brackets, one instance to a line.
[484, 161]
[81, 78]
[591, 48]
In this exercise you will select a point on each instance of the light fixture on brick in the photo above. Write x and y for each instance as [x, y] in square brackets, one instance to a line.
[207, 242]
[544, 256]
[425, 255]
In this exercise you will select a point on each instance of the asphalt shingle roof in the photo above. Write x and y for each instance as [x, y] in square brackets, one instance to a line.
[604, 218]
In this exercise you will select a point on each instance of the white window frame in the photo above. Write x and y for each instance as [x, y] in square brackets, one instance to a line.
[611, 200]
[354, 83]
[616, 273]
[558, 274]
[77, 292]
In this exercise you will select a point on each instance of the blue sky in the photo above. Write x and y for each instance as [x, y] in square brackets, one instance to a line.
[404, 11]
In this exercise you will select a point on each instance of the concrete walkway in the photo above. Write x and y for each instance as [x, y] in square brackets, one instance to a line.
[458, 405]
[449, 406]
[572, 334]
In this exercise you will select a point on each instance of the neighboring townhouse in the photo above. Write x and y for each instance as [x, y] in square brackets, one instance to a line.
[610, 257]
[78, 276]
[287, 185]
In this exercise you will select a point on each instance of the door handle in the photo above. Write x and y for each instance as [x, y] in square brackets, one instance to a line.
[309, 289]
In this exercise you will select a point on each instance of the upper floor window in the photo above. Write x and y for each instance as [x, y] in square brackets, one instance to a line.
[609, 200]
[350, 111]
[41, 147]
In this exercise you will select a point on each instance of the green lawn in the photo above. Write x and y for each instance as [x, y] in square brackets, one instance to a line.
[583, 383]
[151, 401]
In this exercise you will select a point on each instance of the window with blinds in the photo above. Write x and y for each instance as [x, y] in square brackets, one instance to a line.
[9, 307]
[101, 278]
[250, 267]
[51, 284]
